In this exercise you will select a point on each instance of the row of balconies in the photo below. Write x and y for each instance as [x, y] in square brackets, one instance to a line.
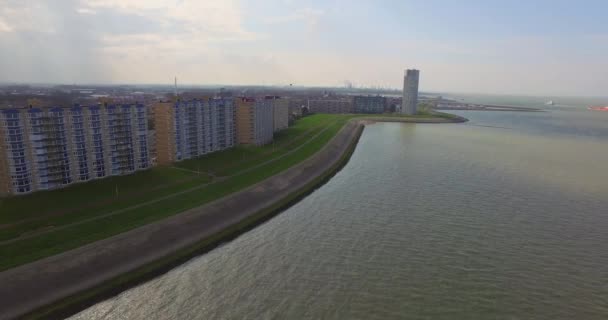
[123, 163]
[47, 128]
[121, 147]
[120, 142]
[54, 159]
[53, 171]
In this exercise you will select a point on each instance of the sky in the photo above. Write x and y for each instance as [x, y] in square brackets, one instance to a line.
[503, 47]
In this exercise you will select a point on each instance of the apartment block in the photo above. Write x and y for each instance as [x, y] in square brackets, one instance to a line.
[369, 104]
[6, 181]
[280, 112]
[409, 103]
[44, 148]
[254, 121]
[192, 128]
[296, 105]
[341, 105]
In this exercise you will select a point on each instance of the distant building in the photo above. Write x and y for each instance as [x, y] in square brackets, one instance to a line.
[341, 105]
[295, 106]
[410, 92]
[280, 112]
[186, 129]
[254, 121]
[44, 148]
[393, 104]
[369, 104]
[39, 103]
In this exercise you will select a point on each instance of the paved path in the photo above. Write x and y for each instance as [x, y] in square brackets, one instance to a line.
[42, 282]
[188, 170]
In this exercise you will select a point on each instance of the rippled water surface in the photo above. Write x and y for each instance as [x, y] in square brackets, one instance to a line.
[504, 217]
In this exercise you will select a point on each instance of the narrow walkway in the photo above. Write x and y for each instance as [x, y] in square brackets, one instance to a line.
[208, 173]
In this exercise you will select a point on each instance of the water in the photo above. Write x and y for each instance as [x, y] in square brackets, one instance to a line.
[505, 217]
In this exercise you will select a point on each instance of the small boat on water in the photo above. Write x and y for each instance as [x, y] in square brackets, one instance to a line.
[598, 108]
[549, 103]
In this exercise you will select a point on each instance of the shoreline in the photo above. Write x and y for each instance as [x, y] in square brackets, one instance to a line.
[465, 106]
[78, 278]
[491, 109]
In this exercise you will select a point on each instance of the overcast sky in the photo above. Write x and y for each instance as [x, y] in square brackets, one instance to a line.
[519, 47]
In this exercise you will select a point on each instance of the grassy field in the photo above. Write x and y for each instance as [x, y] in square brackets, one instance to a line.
[47, 223]
[43, 203]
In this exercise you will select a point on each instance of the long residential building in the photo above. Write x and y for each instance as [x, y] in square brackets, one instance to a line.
[296, 105]
[334, 105]
[186, 129]
[44, 148]
[254, 121]
[369, 104]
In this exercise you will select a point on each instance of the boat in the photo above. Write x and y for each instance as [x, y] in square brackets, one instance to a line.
[598, 108]
[549, 103]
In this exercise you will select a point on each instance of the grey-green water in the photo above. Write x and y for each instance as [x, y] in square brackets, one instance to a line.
[504, 217]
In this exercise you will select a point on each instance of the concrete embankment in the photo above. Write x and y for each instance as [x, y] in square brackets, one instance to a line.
[451, 119]
[76, 278]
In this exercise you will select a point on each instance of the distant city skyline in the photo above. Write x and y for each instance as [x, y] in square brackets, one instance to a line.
[494, 47]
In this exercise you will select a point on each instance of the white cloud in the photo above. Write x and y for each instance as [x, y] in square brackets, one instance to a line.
[24, 16]
[185, 29]
[4, 27]
[129, 5]
[86, 11]
[308, 16]
[217, 19]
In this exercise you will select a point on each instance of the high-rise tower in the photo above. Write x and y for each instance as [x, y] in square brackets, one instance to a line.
[410, 92]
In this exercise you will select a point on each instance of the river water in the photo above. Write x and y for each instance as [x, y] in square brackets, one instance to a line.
[504, 217]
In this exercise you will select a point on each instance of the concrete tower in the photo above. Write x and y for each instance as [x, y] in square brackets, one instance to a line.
[410, 92]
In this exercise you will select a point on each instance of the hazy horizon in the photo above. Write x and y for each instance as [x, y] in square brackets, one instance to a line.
[547, 48]
[188, 86]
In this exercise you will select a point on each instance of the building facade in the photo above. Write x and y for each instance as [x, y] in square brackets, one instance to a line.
[254, 121]
[344, 105]
[295, 106]
[46, 148]
[280, 112]
[369, 104]
[410, 92]
[192, 128]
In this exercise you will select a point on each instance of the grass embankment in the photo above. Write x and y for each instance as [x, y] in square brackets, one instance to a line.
[39, 204]
[94, 225]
